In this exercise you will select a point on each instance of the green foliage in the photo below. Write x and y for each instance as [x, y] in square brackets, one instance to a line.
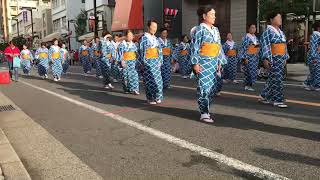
[3, 46]
[20, 41]
[81, 24]
[298, 7]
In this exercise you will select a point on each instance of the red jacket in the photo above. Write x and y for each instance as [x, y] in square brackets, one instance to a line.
[10, 52]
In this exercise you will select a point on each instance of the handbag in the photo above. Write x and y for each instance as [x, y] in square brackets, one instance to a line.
[16, 62]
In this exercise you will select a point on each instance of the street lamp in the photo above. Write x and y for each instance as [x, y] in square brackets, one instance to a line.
[30, 9]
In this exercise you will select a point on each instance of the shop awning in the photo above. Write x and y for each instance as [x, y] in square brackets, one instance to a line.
[88, 37]
[51, 36]
[128, 14]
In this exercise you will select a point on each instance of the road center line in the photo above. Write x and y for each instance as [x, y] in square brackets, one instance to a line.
[231, 162]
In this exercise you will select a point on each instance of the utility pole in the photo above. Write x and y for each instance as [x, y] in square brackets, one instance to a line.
[95, 18]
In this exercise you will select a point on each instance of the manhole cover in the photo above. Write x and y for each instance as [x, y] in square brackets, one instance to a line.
[7, 108]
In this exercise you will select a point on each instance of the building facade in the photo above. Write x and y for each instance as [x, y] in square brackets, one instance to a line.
[105, 10]
[3, 21]
[64, 11]
[232, 16]
[21, 18]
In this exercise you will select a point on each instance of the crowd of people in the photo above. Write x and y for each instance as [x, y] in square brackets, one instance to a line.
[204, 57]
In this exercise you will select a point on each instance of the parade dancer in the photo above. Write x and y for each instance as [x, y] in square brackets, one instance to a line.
[250, 57]
[108, 53]
[85, 57]
[207, 57]
[115, 68]
[313, 61]
[183, 56]
[26, 59]
[167, 50]
[56, 57]
[274, 56]
[151, 61]
[127, 56]
[66, 58]
[42, 54]
[96, 56]
[230, 49]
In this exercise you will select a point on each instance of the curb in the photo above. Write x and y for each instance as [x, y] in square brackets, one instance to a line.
[11, 166]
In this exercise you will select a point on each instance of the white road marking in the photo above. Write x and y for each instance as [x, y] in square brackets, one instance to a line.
[231, 162]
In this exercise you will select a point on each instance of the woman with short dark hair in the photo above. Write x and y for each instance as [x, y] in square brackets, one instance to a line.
[26, 59]
[207, 57]
[56, 57]
[151, 61]
[42, 54]
[11, 52]
[274, 55]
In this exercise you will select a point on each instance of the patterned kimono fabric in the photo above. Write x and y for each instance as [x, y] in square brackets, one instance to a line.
[151, 58]
[108, 54]
[250, 51]
[274, 49]
[313, 61]
[207, 52]
[26, 58]
[56, 57]
[230, 49]
[96, 56]
[127, 53]
[167, 50]
[43, 55]
[183, 56]
[66, 64]
[84, 56]
[115, 67]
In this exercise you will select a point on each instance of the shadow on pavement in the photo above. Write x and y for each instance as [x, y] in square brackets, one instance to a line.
[285, 156]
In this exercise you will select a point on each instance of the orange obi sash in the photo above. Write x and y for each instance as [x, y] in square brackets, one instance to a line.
[252, 49]
[97, 52]
[210, 49]
[184, 52]
[55, 55]
[166, 51]
[127, 56]
[25, 56]
[43, 55]
[152, 53]
[232, 52]
[279, 49]
[108, 55]
[85, 53]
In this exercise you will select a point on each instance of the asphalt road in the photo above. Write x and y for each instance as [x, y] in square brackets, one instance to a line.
[283, 141]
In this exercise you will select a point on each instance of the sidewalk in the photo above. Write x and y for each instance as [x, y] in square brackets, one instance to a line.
[44, 157]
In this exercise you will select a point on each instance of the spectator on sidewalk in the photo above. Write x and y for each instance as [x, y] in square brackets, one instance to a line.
[10, 52]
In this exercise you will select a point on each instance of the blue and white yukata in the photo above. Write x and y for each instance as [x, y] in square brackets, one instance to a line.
[96, 56]
[128, 54]
[230, 49]
[313, 61]
[207, 52]
[66, 57]
[56, 57]
[183, 56]
[26, 59]
[115, 66]
[43, 55]
[167, 50]
[151, 59]
[84, 56]
[250, 51]
[274, 49]
[108, 54]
